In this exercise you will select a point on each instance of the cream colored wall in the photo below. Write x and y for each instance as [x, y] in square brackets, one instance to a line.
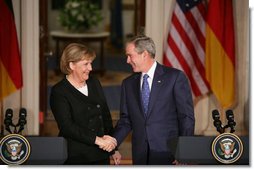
[158, 14]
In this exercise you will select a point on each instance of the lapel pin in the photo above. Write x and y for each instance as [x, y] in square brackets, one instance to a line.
[159, 81]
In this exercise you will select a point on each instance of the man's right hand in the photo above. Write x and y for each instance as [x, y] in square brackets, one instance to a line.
[106, 142]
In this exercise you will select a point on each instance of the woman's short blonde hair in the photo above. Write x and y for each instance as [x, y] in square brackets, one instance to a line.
[75, 52]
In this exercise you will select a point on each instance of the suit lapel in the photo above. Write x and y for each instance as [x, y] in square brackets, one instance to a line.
[137, 93]
[156, 86]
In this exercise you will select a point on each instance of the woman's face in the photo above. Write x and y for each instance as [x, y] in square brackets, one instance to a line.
[81, 69]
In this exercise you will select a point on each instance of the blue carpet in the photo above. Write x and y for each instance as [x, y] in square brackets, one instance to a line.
[113, 94]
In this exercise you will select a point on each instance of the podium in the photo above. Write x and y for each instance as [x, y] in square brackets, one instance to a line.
[47, 151]
[196, 150]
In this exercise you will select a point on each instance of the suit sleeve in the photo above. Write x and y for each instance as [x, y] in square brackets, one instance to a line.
[123, 126]
[62, 113]
[184, 105]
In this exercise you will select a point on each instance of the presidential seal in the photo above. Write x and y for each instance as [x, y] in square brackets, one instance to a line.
[227, 148]
[14, 149]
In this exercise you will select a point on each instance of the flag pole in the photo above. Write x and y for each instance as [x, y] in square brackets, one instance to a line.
[2, 119]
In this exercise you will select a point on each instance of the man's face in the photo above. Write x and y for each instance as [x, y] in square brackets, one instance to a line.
[133, 58]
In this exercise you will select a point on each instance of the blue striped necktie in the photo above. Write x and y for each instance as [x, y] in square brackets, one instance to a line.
[145, 93]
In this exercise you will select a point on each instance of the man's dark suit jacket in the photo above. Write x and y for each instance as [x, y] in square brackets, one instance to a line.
[80, 119]
[170, 114]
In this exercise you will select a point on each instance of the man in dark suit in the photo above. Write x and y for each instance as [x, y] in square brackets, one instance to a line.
[156, 105]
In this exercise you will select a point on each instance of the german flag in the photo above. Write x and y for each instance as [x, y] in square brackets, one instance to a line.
[10, 60]
[220, 51]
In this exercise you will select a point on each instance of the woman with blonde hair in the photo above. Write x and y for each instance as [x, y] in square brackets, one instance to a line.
[81, 111]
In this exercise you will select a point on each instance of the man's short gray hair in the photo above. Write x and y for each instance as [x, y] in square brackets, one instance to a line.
[143, 43]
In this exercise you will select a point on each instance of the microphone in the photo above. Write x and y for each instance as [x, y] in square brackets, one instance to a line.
[217, 123]
[231, 121]
[22, 119]
[8, 120]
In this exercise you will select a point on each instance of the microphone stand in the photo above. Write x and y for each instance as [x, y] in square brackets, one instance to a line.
[2, 119]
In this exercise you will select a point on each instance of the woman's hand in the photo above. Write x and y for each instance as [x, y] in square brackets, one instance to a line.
[117, 157]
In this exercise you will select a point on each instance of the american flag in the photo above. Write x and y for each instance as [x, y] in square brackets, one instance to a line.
[184, 47]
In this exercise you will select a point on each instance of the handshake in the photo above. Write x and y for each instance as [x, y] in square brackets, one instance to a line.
[107, 143]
